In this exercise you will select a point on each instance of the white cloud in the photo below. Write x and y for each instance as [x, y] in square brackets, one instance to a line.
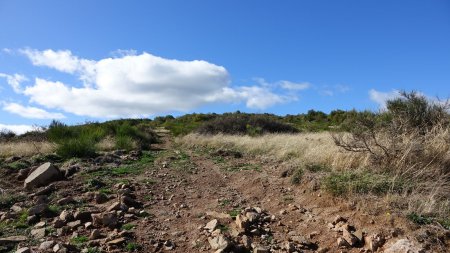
[256, 97]
[14, 81]
[18, 129]
[123, 52]
[139, 85]
[287, 85]
[31, 112]
[64, 61]
[381, 97]
[283, 84]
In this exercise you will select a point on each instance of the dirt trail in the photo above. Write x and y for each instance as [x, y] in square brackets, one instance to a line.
[161, 201]
[303, 214]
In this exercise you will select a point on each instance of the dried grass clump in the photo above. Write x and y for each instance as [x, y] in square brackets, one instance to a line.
[409, 141]
[419, 181]
[26, 148]
[304, 148]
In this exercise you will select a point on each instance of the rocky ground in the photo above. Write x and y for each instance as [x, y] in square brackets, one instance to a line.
[176, 200]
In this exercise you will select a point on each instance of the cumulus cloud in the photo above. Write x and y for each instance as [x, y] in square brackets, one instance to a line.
[287, 85]
[62, 60]
[256, 97]
[14, 81]
[381, 97]
[132, 85]
[18, 129]
[31, 112]
[123, 52]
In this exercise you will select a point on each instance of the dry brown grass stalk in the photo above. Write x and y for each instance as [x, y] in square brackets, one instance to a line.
[305, 148]
[26, 148]
[421, 167]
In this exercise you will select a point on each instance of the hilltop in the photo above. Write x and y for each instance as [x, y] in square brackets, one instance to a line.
[339, 182]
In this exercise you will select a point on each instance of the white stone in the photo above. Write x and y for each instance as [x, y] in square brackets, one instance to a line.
[43, 175]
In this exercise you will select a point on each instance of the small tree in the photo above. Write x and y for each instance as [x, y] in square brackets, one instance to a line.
[401, 128]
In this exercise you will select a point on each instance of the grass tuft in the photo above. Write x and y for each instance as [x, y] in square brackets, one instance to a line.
[132, 247]
[297, 176]
[347, 182]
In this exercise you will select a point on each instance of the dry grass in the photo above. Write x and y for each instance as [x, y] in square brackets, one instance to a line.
[107, 144]
[26, 148]
[304, 148]
[424, 186]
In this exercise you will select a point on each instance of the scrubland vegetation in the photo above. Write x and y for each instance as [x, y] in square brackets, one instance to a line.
[80, 140]
[400, 154]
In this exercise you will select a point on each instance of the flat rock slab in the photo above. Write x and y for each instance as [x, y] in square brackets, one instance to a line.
[42, 176]
[403, 246]
[118, 241]
[12, 239]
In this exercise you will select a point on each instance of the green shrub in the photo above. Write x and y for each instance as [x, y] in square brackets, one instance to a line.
[388, 136]
[414, 111]
[124, 142]
[58, 131]
[7, 135]
[79, 147]
[245, 124]
[80, 140]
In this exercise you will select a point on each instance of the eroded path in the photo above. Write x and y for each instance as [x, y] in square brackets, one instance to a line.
[195, 187]
[174, 199]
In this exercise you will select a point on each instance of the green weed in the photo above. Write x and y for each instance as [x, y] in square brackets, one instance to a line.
[345, 182]
[132, 246]
[79, 240]
[128, 226]
[235, 212]
[17, 165]
[224, 202]
[419, 219]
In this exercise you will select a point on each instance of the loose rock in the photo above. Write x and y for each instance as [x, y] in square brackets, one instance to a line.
[43, 175]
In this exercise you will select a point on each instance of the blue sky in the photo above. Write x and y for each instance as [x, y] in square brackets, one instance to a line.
[98, 60]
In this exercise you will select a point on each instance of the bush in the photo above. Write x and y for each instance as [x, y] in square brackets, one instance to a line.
[81, 140]
[408, 140]
[245, 124]
[76, 147]
[414, 111]
[124, 142]
[399, 132]
[6, 135]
